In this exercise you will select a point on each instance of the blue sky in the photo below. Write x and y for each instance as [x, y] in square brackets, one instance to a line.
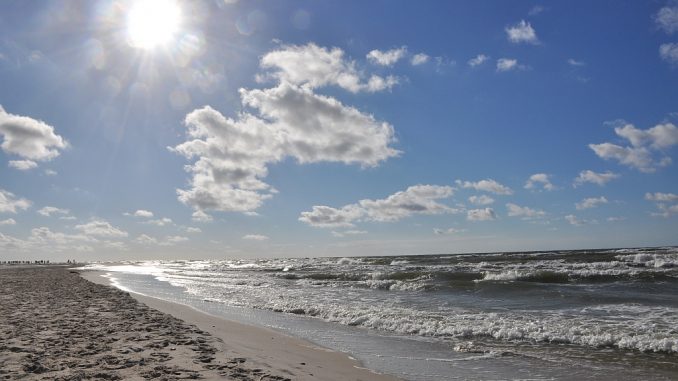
[168, 129]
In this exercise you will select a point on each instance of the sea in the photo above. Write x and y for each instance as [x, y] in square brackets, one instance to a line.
[607, 314]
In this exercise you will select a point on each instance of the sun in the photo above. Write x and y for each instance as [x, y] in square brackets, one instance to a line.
[153, 23]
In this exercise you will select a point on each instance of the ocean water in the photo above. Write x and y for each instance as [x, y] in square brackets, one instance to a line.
[598, 314]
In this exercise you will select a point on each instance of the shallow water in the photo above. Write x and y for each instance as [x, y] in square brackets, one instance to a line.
[604, 314]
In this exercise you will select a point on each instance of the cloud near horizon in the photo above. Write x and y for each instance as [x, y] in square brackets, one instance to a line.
[417, 199]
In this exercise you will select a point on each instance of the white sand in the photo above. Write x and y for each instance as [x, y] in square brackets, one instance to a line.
[263, 348]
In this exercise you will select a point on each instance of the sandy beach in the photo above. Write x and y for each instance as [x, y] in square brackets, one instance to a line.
[56, 325]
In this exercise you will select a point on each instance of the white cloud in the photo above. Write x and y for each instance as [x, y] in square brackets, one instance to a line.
[666, 211]
[29, 138]
[200, 216]
[387, 58]
[327, 217]
[573, 62]
[142, 213]
[22, 165]
[49, 210]
[661, 136]
[348, 232]
[193, 230]
[481, 200]
[478, 60]
[291, 121]
[450, 231]
[588, 176]
[640, 154]
[508, 64]
[522, 32]
[174, 239]
[669, 52]
[523, 211]
[255, 237]
[662, 201]
[661, 197]
[573, 220]
[487, 185]
[313, 66]
[10, 204]
[50, 172]
[100, 228]
[667, 18]
[419, 59]
[146, 240]
[539, 178]
[9, 221]
[159, 222]
[590, 202]
[486, 214]
[417, 199]
[615, 219]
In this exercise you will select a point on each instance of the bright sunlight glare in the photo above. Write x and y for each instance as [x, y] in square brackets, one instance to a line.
[152, 23]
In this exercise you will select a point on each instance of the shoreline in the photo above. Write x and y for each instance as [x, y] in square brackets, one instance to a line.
[263, 347]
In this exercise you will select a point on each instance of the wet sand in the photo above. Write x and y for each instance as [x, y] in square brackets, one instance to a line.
[55, 325]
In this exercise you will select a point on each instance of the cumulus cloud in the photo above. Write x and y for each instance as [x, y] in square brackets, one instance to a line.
[327, 217]
[644, 145]
[478, 60]
[487, 185]
[509, 64]
[663, 202]
[486, 214]
[588, 176]
[31, 139]
[669, 53]
[9, 221]
[100, 228]
[314, 66]
[481, 200]
[141, 213]
[661, 197]
[667, 18]
[573, 220]
[387, 58]
[289, 120]
[590, 202]
[201, 216]
[255, 237]
[9, 203]
[419, 59]
[523, 211]
[539, 179]
[522, 32]
[49, 210]
[193, 230]
[22, 165]
[159, 222]
[417, 199]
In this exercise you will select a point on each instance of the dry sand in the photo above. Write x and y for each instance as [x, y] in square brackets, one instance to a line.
[55, 325]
